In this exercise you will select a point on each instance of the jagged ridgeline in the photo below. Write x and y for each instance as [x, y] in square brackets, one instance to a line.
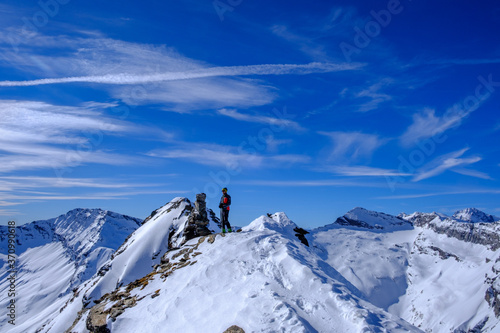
[98, 271]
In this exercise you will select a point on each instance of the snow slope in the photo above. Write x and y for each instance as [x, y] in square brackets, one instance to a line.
[374, 262]
[136, 257]
[55, 256]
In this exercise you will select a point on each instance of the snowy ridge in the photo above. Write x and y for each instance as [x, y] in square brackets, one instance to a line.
[31, 235]
[143, 249]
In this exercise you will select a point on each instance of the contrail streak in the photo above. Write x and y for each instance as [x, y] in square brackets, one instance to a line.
[281, 69]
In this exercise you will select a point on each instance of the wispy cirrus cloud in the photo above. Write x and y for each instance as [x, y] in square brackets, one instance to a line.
[374, 96]
[472, 173]
[199, 94]
[90, 54]
[21, 190]
[260, 119]
[352, 146]
[438, 194]
[312, 183]
[17, 183]
[53, 123]
[85, 196]
[314, 38]
[228, 156]
[363, 171]
[427, 124]
[36, 157]
[6, 212]
[39, 135]
[305, 44]
[452, 161]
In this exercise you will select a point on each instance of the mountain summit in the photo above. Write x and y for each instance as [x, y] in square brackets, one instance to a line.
[474, 215]
[363, 218]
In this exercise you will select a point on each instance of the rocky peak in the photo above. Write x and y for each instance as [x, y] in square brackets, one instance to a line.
[473, 215]
[422, 219]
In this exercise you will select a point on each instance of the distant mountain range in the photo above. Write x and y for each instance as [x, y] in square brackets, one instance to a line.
[92, 270]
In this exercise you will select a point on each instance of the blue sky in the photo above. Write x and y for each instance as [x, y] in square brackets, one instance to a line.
[308, 108]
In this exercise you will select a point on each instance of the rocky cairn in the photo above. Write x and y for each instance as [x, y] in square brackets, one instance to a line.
[198, 219]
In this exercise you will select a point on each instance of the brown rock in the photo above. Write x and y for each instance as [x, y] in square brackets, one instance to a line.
[234, 329]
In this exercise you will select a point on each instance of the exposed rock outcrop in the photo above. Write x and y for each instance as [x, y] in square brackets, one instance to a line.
[234, 329]
[301, 235]
[492, 295]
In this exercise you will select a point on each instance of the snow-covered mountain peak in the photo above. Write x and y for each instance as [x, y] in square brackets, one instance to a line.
[167, 208]
[281, 218]
[82, 229]
[474, 215]
[79, 229]
[277, 222]
[363, 218]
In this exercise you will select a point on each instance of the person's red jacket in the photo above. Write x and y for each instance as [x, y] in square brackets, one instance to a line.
[225, 201]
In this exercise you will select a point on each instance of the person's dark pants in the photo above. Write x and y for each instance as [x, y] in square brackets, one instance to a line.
[224, 218]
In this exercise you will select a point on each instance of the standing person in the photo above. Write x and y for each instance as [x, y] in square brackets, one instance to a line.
[225, 202]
